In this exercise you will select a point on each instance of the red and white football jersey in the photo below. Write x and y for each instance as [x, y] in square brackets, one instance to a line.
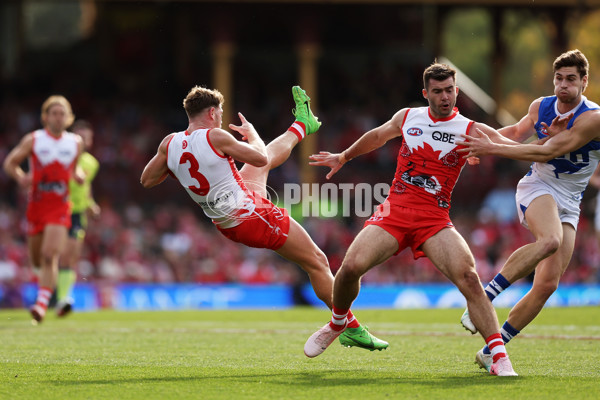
[212, 180]
[51, 164]
[428, 163]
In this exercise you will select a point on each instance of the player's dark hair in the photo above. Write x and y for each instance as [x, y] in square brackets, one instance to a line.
[438, 72]
[199, 98]
[572, 58]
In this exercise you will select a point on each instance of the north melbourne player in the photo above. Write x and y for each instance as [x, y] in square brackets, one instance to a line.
[549, 196]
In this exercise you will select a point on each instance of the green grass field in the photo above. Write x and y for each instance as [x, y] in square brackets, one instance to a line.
[258, 355]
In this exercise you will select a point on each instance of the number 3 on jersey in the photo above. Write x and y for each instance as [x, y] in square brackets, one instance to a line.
[195, 173]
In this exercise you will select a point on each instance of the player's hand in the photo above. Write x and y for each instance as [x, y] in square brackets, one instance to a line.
[558, 125]
[475, 145]
[246, 129]
[79, 175]
[94, 210]
[327, 159]
[473, 160]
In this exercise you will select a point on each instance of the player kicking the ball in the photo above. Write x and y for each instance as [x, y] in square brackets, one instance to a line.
[202, 159]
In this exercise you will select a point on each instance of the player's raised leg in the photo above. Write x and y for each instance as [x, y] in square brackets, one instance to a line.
[279, 150]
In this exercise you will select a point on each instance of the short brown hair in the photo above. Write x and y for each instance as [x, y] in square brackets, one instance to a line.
[81, 124]
[60, 100]
[572, 58]
[438, 72]
[199, 98]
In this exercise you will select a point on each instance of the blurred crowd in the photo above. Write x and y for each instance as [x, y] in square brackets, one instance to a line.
[160, 235]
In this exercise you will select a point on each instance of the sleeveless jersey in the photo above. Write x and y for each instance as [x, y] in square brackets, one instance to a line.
[569, 174]
[212, 180]
[80, 193]
[51, 164]
[428, 163]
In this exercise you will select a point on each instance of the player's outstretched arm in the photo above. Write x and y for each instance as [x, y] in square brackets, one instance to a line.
[254, 152]
[373, 139]
[334, 161]
[157, 170]
[525, 128]
[584, 130]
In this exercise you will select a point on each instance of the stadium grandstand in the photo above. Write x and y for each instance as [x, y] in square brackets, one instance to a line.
[126, 66]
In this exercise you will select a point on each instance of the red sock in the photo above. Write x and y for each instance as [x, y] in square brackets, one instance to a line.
[496, 346]
[352, 321]
[299, 129]
[338, 319]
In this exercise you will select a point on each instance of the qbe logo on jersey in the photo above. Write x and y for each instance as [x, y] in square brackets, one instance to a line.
[414, 132]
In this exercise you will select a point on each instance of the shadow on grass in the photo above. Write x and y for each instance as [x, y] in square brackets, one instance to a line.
[317, 379]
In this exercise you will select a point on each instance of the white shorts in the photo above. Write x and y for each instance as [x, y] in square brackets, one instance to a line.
[531, 187]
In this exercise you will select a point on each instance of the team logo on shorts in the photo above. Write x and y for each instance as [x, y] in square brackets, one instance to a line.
[414, 132]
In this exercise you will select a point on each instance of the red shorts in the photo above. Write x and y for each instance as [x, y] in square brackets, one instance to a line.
[266, 228]
[409, 226]
[38, 219]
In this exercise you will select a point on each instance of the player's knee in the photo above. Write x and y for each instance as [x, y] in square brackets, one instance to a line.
[545, 289]
[47, 257]
[320, 260]
[352, 268]
[551, 243]
[469, 282]
[317, 261]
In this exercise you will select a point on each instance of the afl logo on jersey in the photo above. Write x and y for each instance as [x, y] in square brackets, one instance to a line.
[414, 132]
[184, 144]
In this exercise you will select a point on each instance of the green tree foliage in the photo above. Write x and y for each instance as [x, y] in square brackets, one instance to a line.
[584, 35]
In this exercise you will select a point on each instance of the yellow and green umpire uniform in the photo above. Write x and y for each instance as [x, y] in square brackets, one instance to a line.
[81, 195]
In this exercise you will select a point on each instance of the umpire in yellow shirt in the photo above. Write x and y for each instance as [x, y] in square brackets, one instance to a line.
[82, 203]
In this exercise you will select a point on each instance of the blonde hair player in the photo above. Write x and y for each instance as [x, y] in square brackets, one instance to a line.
[53, 153]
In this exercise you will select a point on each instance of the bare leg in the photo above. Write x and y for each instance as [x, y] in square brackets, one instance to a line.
[34, 244]
[547, 229]
[372, 246]
[278, 151]
[71, 253]
[300, 249]
[449, 252]
[547, 277]
[54, 238]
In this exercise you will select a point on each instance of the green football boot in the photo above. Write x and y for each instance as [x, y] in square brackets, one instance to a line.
[302, 112]
[360, 337]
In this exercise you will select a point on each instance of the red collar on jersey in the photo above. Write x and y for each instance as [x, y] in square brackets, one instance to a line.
[448, 118]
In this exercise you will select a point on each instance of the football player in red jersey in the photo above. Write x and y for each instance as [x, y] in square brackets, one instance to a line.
[53, 154]
[416, 211]
[202, 157]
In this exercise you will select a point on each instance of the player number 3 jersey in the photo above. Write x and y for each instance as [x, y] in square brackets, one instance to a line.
[212, 180]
